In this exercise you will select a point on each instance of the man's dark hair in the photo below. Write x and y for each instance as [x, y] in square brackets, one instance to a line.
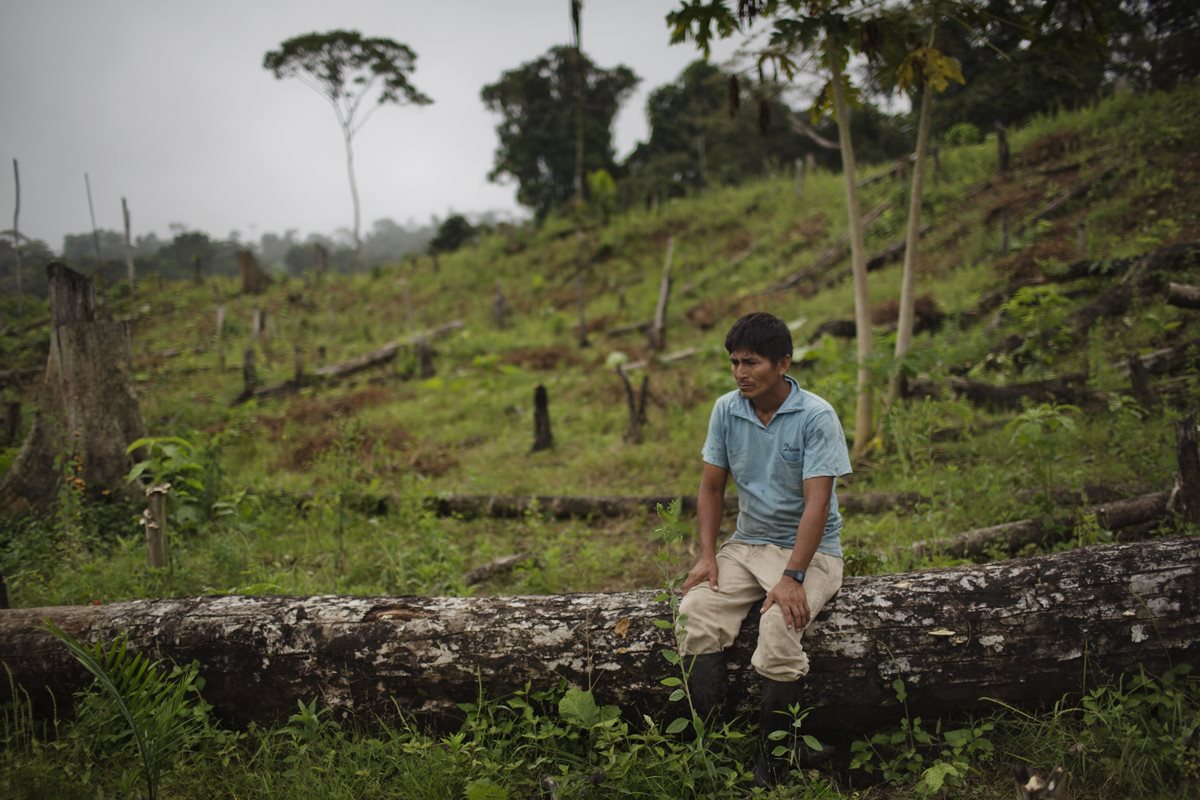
[761, 333]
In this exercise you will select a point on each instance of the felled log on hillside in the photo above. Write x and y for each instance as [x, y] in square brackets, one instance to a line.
[1071, 389]
[352, 366]
[1022, 632]
[1011, 537]
[578, 507]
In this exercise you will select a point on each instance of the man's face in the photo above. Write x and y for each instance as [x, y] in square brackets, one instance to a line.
[757, 375]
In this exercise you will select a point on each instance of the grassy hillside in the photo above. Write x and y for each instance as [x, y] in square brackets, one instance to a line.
[277, 502]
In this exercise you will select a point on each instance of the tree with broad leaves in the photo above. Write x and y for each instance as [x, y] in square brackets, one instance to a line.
[356, 75]
[828, 32]
[537, 127]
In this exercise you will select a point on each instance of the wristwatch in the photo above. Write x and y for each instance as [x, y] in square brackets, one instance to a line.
[795, 574]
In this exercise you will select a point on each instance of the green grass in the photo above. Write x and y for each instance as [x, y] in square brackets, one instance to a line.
[282, 508]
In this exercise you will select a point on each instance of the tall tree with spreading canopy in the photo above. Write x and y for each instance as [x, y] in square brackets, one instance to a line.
[537, 130]
[356, 75]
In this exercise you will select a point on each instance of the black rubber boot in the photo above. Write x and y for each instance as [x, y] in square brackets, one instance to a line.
[777, 701]
[706, 684]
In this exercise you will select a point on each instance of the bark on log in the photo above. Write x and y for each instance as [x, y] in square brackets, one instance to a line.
[1011, 537]
[87, 408]
[1023, 632]
[1188, 458]
[1183, 295]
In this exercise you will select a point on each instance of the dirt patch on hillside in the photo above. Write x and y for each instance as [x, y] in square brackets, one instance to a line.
[543, 358]
[376, 451]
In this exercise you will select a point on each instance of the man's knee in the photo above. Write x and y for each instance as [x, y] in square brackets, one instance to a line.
[703, 622]
[779, 655]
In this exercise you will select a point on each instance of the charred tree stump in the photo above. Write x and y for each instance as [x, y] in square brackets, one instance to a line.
[1139, 382]
[637, 407]
[543, 439]
[87, 407]
[1022, 632]
[12, 421]
[249, 377]
[425, 355]
[254, 280]
[1188, 454]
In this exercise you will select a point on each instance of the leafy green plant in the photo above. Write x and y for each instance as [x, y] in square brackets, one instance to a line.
[174, 461]
[1039, 314]
[932, 761]
[1034, 433]
[161, 710]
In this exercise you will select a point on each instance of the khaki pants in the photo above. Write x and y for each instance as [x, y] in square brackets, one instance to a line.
[746, 572]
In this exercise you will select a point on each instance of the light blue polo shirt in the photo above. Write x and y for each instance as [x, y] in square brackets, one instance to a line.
[770, 463]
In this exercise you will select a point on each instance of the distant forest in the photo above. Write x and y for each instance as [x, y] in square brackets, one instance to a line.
[708, 127]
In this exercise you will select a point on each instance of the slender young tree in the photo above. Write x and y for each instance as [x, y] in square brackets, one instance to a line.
[831, 30]
[16, 237]
[936, 71]
[356, 75]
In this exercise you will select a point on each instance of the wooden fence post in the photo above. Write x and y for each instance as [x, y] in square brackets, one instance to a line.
[154, 518]
[221, 337]
[1002, 153]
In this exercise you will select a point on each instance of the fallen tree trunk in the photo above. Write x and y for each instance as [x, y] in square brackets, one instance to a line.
[572, 507]
[835, 253]
[1022, 632]
[352, 366]
[1183, 295]
[1011, 537]
[1072, 389]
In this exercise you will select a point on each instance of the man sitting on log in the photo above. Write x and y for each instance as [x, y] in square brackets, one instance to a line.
[785, 448]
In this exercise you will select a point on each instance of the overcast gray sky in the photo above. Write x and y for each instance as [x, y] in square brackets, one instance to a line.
[166, 103]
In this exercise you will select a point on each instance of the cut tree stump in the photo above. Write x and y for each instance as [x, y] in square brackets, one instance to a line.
[87, 407]
[1022, 632]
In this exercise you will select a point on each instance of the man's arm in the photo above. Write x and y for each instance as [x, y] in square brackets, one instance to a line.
[787, 593]
[710, 506]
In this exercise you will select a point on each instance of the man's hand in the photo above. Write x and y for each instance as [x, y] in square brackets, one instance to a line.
[792, 600]
[705, 570]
